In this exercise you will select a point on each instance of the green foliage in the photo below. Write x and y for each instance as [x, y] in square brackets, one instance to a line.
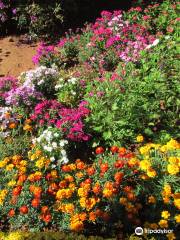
[145, 102]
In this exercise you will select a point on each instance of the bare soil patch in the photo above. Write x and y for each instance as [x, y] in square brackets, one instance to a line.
[16, 55]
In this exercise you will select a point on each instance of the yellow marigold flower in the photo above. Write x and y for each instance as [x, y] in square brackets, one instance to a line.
[17, 158]
[3, 164]
[140, 138]
[22, 170]
[68, 193]
[165, 214]
[83, 192]
[144, 150]
[133, 161]
[54, 174]
[79, 174]
[177, 218]
[173, 144]
[82, 202]
[23, 163]
[27, 128]
[172, 169]
[40, 163]
[171, 236]
[69, 208]
[167, 190]
[163, 149]
[151, 199]
[3, 194]
[72, 166]
[151, 173]
[145, 164]
[33, 157]
[123, 200]
[11, 183]
[9, 167]
[173, 160]
[163, 223]
[177, 203]
[76, 226]
[107, 193]
[61, 194]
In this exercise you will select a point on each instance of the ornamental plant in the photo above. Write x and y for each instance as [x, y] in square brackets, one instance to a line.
[131, 185]
[6, 84]
[141, 97]
[68, 120]
[53, 145]
[70, 91]
[43, 79]
[15, 132]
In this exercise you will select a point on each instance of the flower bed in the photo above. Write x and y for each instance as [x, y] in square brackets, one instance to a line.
[89, 138]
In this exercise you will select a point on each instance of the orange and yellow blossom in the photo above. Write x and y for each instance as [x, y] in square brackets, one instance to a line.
[64, 193]
[151, 199]
[163, 223]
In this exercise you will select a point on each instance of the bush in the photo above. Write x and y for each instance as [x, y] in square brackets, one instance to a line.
[145, 101]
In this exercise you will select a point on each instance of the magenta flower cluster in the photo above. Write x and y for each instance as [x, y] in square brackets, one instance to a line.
[43, 51]
[69, 120]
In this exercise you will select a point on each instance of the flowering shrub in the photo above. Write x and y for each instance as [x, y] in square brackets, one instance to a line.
[39, 18]
[42, 78]
[25, 95]
[70, 91]
[142, 102]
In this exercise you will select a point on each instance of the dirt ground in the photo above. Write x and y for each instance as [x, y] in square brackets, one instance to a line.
[16, 55]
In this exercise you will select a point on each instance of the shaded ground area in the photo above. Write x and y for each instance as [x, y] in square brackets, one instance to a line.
[16, 55]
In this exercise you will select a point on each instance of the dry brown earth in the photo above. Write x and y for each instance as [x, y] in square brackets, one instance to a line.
[15, 55]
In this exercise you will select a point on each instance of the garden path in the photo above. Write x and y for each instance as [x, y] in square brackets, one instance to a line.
[16, 55]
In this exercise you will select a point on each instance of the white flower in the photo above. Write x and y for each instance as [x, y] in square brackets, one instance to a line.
[53, 166]
[56, 135]
[73, 93]
[52, 159]
[49, 149]
[65, 160]
[54, 144]
[63, 152]
[72, 80]
[155, 42]
[58, 86]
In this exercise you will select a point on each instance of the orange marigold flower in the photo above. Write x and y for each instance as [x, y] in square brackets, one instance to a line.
[12, 125]
[92, 216]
